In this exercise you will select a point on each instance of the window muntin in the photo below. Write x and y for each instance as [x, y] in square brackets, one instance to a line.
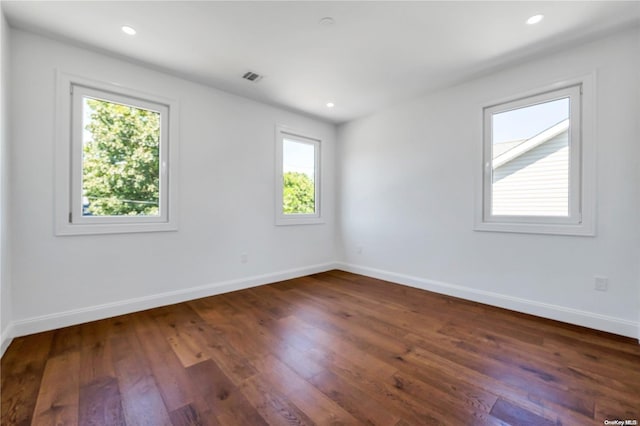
[538, 162]
[298, 178]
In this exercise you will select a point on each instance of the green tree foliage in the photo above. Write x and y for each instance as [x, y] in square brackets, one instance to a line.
[121, 161]
[298, 193]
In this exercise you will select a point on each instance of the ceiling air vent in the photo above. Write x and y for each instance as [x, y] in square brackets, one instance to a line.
[252, 76]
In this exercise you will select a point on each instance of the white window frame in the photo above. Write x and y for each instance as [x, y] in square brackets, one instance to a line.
[581, 217]
[282, 133]
[68, 168]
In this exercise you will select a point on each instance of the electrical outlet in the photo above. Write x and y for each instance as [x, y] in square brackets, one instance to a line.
[244, 258]
[601, 283]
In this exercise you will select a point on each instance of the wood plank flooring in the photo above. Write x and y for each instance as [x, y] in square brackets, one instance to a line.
[332, 348]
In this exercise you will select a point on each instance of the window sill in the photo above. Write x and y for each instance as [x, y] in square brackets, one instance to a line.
[582, 229]
[287, 221]
[120, 228]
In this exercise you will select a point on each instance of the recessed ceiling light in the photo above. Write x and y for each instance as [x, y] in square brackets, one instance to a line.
[330, 104]
[534, 19]
[327, 21]
[129, 30]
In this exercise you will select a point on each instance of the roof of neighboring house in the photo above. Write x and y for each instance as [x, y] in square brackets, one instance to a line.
[506, 151]
[501, 147]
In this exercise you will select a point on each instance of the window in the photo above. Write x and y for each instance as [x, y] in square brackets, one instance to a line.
[115, 160]
[297, 178]
[537, 172]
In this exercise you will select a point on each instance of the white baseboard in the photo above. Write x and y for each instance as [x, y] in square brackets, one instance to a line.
[6, 337]
[77, 316]
[92, 313]
[559, 313]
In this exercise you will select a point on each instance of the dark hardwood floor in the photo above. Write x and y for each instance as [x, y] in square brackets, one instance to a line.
[332, 348]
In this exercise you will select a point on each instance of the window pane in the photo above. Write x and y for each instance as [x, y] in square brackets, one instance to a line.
[121, 160]
[298, 177]
[530, 160]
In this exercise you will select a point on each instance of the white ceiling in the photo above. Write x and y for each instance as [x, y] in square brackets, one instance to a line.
[376, 53]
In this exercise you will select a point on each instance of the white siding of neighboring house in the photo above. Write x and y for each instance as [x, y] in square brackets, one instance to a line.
[536, 182]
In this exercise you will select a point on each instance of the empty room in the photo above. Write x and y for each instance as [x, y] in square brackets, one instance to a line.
[320, 212]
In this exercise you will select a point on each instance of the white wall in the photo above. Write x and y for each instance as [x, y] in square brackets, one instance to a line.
[412, 213]
[399, 199]
[226, 199]
[5, 284]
